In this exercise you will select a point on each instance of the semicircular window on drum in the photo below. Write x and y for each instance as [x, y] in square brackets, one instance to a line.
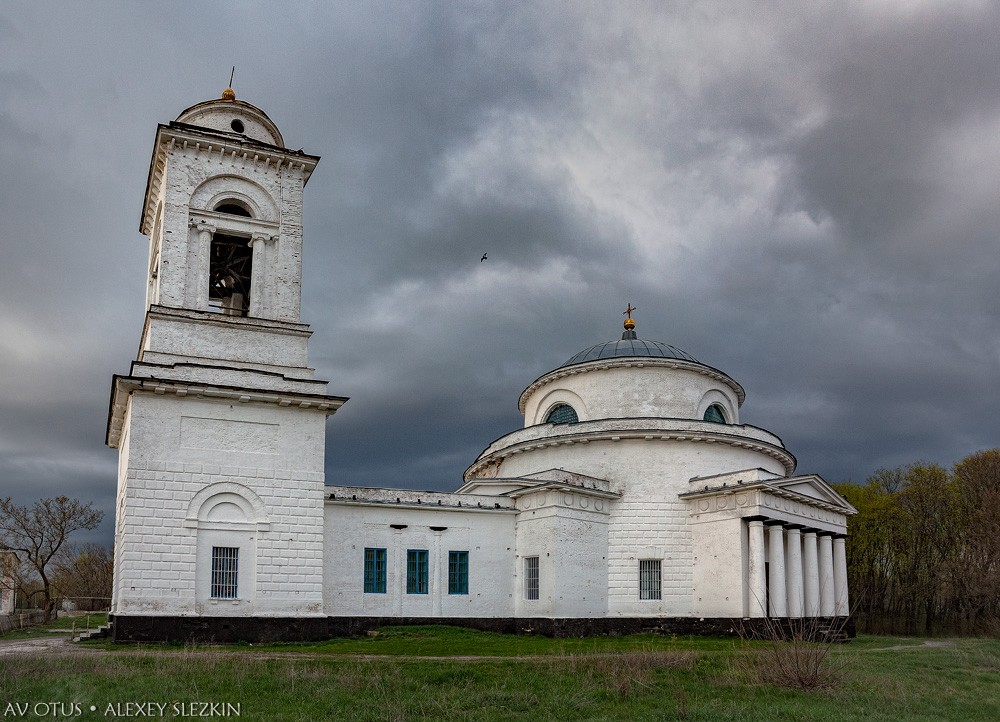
[714, 414]
[561, 414]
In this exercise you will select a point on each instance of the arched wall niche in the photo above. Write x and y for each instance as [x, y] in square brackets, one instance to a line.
[218, 189]
[554, 398]
[716, 397]
[227, 503]
[226, 519]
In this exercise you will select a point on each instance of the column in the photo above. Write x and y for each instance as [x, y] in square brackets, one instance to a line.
[757, 591]
[270, 279]
[841, 605]
[826, 592]
[438, 582]
[198, 270]
[793, 560]
[777, 595]
[258, 266]
[810, 572]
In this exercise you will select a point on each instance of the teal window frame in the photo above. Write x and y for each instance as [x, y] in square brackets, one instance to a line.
[417, 571]
[561, 414]
[714, 414]
[458, 572]
[376, 559]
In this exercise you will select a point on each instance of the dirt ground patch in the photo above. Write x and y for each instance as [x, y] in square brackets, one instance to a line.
[47, 644]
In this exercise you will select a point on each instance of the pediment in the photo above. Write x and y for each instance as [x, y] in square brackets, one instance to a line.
[569, 477]
[544, 486]
[815, 487]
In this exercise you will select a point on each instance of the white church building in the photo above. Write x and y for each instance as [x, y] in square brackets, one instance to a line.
[633, 497]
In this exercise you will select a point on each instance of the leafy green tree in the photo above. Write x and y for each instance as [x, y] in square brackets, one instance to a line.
[928, 539]
[923, 551]
[975, 572]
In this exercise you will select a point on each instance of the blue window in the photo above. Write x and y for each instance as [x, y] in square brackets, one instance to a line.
[416, 571]
[714, 414]
[561, 414]
[375, 571]
[458, 572]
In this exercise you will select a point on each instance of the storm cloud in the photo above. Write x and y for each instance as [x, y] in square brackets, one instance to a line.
[801, 195]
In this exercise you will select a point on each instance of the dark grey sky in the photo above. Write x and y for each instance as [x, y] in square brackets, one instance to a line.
[801, 194]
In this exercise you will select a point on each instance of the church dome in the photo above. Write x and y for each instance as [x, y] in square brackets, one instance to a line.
[627, 347]
[631, 377]
[232, 116]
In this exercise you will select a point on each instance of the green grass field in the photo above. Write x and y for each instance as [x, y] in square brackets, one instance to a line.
[435, 673]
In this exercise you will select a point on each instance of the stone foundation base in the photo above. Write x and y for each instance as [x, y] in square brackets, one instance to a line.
[313, 629]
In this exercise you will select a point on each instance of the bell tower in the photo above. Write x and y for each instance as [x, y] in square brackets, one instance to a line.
[220, 422]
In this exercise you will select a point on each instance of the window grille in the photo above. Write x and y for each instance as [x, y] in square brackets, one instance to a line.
[375, 570]
[531, 577]
[458, 572]
[225, 569]
[561, 414]
[649, 579]
[416, 571]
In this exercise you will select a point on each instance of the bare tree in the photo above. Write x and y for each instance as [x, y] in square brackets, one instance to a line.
[84, 574]
[36, 534]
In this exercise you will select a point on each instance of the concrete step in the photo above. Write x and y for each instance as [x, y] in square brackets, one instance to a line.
[102, 632]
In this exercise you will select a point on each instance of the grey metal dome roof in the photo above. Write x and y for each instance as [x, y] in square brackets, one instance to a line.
[629, 347]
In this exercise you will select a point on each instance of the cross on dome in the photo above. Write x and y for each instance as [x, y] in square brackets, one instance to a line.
[629, 323]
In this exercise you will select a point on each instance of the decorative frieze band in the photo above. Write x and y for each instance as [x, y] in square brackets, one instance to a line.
[784, 457]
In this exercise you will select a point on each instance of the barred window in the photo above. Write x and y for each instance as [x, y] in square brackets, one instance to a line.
[649, 579]
[458, 572]
[375, 570]
[225, 569]
[416, 571]
[531, 577]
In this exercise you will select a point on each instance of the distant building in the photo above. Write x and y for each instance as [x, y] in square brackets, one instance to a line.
[632, 497]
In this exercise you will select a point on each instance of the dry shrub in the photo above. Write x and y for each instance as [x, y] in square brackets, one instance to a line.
[627, 672]
[375, 679]
[796, 655]
[294, 672]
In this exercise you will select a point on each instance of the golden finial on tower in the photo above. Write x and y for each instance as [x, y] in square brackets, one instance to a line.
[229, 93]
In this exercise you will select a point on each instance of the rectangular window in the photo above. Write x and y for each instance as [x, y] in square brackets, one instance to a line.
[375, 571]
[458, 572]
[225, 569]
[416, 571]
[649, 579]
[531, 577]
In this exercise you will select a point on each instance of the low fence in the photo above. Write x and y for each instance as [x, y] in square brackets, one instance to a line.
[16, 621]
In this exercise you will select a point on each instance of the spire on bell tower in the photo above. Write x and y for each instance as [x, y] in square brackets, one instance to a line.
[229, 93]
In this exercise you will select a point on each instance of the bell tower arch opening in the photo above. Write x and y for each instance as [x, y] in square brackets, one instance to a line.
[230, 275]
